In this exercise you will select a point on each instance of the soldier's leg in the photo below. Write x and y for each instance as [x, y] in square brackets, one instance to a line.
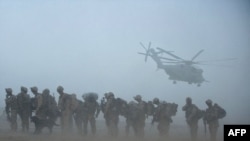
[127, 127]
[85, 125]
[61, 122]
[78, 122]
[93, 124]
[194, 130]
[213, 131]
[14, 120]
[26, 121]
[66, 119]
[116, 126]
[70, 121]
[22, 120]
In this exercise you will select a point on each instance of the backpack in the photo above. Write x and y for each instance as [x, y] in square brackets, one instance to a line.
[200, 113]
[221, 112]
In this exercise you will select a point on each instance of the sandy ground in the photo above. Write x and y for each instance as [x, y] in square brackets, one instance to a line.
[177, 133]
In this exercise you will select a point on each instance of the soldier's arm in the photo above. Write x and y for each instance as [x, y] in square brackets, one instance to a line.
[39, 102]
[98, 109]
[184, 108]
[194, 110]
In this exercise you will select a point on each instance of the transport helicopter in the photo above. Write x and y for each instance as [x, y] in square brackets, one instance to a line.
[178, 69]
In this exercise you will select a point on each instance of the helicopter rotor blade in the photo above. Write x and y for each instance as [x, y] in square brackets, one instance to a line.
[168, 52]
[147, 50]
[197, 54]
[164, 58]
[143, 46]
[218, 60]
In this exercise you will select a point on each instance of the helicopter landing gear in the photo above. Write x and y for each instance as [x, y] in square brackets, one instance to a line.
[174, 82]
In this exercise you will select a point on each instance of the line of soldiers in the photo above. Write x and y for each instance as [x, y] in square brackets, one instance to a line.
[70, 109]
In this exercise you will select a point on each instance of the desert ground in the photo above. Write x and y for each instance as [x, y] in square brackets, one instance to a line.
[178, 132]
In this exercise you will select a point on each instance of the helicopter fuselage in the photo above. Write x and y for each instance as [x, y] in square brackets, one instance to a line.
[184, 72]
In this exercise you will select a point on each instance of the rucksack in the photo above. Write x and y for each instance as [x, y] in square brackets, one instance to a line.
[200, 113]
[221, 112]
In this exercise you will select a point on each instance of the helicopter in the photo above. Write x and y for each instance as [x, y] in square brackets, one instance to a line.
[177, 68]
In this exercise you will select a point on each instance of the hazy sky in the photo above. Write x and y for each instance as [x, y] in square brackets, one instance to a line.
[87, 45]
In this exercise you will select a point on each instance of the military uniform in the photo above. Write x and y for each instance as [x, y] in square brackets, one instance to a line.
[211, 118]
[11, 109]
[65, 107]
[140, 123]
[91, 111]
[78, 116]
[24, 108]
[192, 117]
[47, 107]
[36, 100]
[163, 115]
[111, 115]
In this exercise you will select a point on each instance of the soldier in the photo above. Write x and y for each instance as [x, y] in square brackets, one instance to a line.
[65, 107]
[47, 107]
[141, 108]
[36, 100]
[79, 115]
[11, 109]
[111, 115]
[192, 114]
[211, 117]
[91, 112]
[163, 115]
[24, 108]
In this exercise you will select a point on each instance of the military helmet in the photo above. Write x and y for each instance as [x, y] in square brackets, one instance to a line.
[156, 100]
[209, 101]
[137, 97]
[46, 91]
[188, 99]
[24, 89]
[60, 88]
[34, 89]
[8, 90]
[111, 95]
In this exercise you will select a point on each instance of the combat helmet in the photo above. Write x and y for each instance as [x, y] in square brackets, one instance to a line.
[24, 89]
[8, 90]
[60, 89]
[188, 100]
[209, 102]
[137, 97]
[46, 91]
[34, 89]
[111, 95]
[156, 101]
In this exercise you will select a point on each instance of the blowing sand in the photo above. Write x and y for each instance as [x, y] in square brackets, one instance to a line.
[177, 133]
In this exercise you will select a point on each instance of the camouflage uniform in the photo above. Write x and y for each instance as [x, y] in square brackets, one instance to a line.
[131, 117]
[111, 115]
[36, 100]
[24, 108]
[192, 117]
[78, 116]
[141, 116]
[47, 107]
[163, 113]
[211, 118]
[11, 109]
[91, 111]
[65, 107]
